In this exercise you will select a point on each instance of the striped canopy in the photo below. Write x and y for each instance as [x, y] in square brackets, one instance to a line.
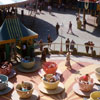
[88, 1]
[8, 3]
[12, 29]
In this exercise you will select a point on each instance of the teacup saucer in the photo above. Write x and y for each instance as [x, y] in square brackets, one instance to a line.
[8, 89]
[34, 96]
[42, 73]
[33, 69]
[95, 79]
[81, 93]
[54, 91]
[12, 74]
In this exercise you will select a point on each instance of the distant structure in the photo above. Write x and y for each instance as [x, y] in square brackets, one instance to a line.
[90, 6]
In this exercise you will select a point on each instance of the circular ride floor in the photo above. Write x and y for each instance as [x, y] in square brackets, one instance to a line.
[67, 78]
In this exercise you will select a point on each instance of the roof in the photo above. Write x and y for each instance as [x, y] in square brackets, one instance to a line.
[90, 5]
[8, 3]
[12, 29]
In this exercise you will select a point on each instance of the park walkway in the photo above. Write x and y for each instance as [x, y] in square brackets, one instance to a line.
[45, 23]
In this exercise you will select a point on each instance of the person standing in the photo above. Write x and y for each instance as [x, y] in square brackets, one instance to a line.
[70, 27]
[40, 7]
[49, 40]
[77, 17]
[43, 55]
[67, 44]
[72, 45]
[87, 46]
[41, 45]
[49, 9]
[24, 49]
[91, 46]
[68, 64]
[13, 52]
[57, 28]
[84, 24]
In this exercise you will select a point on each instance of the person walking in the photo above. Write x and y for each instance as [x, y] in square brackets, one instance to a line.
[68, 64]
[67, 44]
[70, 27]
[57, 28]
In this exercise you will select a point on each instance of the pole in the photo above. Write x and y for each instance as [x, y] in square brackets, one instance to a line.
[83, 15]
[79, 11]
[61, 38]
[61, 46]
[36, 6]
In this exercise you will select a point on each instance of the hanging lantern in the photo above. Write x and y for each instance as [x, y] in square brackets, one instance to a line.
[86, 4]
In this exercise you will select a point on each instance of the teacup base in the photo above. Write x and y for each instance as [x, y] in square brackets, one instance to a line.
[96, 81]
[53, 91]
[34, 96]
[81, 93]
[8, 89]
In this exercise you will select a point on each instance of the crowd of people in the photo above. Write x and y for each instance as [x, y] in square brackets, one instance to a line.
[4, 12]
[69, 45]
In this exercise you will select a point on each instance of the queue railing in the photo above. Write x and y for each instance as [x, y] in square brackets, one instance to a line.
[58, 47]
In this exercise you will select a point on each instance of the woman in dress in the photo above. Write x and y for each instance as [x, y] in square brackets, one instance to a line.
[68, 60]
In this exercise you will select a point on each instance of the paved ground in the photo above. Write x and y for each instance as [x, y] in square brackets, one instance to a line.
[80, 65]
[44, 24]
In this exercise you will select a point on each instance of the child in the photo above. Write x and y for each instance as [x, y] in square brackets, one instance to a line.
[24, 87]
[68, 61]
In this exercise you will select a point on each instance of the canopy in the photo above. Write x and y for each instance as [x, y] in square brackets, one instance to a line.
[12, 29]
[9, 3]
[93, 1]
[91, 5]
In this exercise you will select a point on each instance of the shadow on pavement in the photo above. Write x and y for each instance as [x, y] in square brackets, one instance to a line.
[39, 26]
[74, 71]
[66, 11]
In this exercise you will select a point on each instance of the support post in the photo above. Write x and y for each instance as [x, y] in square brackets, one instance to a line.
[83, 15]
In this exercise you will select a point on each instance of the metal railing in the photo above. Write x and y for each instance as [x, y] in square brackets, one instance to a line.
[57, 47]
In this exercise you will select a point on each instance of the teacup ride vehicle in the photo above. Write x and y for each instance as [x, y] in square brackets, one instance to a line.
[5, 85]
[6, 69]
[96, 76]
[25, 90]
[51, 84]
[95, 95]
[28, 65]
[84, 86]
[49, 68]
[97, 73]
